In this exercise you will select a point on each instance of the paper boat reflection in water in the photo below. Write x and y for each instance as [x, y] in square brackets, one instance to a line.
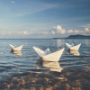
[72, 47]
[74, 52]
[47, 55]
[16, 52]
[53, 66]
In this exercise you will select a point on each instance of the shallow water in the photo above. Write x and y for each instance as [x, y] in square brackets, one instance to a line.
[22, 71]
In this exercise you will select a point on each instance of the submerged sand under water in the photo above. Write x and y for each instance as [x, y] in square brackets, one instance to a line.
[72, 80]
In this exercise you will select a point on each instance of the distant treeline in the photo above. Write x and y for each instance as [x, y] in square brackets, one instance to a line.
[78, 36]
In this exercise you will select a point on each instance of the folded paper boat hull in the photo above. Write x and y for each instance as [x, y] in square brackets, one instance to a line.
[53, 56]
[48, 56]
[74, 47]
[17, 48]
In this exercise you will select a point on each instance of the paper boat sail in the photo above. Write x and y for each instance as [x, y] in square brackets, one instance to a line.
[42, 53]
[47, 55]
[16, 48]
[72, 47]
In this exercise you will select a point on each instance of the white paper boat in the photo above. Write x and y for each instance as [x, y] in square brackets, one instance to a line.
[47, 55]
[17, 52]
[72, 47]
[53, 66]
[16, 48]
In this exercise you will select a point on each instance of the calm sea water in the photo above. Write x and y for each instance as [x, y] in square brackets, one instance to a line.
[22, 71]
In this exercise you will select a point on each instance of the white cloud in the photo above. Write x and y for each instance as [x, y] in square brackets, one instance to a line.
[63, 31]
[86, 26]
[44, 32]
[16, 33]
[52, 32]
[3, 33]
[86, 29]
[59, 27]
[59, 30]
[76, 31]
[19, 32]
[70, 31]
[12, 2]
[25, 33]
[9, 33]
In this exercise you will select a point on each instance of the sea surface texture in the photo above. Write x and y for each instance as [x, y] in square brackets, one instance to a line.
[22, 71]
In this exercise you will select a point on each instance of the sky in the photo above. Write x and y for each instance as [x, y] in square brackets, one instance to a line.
[44, 18]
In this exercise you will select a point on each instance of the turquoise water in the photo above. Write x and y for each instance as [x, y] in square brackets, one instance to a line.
[24, 71]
